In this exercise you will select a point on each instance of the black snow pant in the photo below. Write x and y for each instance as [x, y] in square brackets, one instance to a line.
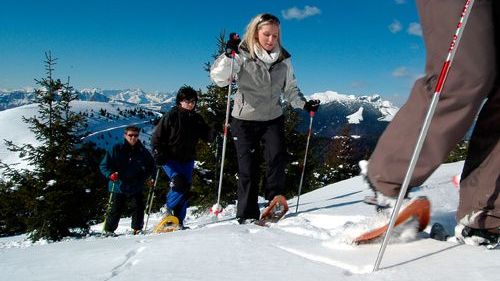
[118, 204]
[248, 138]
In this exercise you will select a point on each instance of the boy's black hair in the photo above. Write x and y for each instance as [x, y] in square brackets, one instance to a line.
[132, 128]
[186, 93]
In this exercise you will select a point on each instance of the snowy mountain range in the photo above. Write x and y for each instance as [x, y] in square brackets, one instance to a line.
[365, 115]
[368, 115]
[11, 99]
[15, 98]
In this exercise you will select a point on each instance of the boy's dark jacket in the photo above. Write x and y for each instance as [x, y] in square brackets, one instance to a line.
[176, 135]
[134, 165]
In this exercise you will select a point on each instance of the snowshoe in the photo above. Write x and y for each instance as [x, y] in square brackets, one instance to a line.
[168, 223]
[419, 208]
[277, 208]
[372, 200]
[494, 246]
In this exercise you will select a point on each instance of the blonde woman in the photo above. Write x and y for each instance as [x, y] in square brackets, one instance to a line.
[264, 75]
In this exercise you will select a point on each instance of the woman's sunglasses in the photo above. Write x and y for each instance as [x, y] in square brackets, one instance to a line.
[268, 18]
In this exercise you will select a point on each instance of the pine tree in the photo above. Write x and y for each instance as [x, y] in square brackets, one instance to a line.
[295, 142]
[55, 188]
[343, 156]
[13, 209]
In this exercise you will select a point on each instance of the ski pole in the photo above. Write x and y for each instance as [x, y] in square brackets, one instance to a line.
[150, 198]
[311, 114]
[108, 209]
[216, 208]
[425, 127]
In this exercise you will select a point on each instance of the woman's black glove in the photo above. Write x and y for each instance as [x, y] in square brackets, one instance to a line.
[232, 44]
[311, 105]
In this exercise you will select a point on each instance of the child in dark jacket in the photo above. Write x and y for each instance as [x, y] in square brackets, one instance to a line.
[174, 147]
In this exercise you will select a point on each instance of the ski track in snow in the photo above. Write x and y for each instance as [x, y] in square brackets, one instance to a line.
[350, 269]
[128, 262]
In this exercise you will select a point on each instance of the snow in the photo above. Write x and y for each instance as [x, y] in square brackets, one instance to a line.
[16, 130]
[309, 245]
[356, 117]
[105, 131]
[387, 110]
[330, 96]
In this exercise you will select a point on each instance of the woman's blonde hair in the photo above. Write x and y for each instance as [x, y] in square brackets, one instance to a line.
[250, 37]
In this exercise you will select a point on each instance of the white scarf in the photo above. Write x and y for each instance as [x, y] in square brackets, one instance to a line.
[268, 58]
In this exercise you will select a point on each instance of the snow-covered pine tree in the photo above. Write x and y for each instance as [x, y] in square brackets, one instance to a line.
[56, 188]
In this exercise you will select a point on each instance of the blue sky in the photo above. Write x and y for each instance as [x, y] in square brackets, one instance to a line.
[350, 46]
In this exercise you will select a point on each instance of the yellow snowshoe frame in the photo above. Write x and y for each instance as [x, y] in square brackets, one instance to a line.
[167, 224]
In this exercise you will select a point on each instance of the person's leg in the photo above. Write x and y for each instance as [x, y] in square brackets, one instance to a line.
[137, 205]
[180, 211]
[274, 155]
[246, 139]
[469, 81]
[113, 218]
[180, 175]
[479, 205]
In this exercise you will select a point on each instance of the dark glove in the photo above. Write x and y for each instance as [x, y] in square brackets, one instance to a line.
[114, 176]
[159, 157]
[150, 182]
[311, 105]
[232, 44]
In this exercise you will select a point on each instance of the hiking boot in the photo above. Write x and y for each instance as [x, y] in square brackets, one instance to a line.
[245, 221]
[110, 234]
[165, 211]
[381, 202]
[136, 231]
[438, 232]
[476, 236]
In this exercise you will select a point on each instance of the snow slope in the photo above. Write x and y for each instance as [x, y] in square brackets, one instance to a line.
[308, 245]
[106, 130]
